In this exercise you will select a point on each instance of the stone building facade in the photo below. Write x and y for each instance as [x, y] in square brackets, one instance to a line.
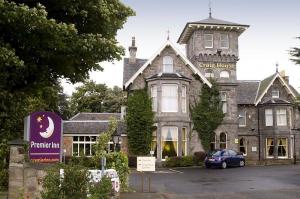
[174, 82]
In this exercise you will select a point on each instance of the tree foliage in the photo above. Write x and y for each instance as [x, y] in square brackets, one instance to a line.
[295, 52]
[139, 122]
[92, 97]
[207, 114]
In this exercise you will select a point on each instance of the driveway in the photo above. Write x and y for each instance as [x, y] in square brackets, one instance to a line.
[248, 182]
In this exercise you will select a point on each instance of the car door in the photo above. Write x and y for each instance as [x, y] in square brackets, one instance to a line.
[226, 157]
[233, 158]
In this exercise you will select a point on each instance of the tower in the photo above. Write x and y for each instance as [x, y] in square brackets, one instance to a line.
[212, 46]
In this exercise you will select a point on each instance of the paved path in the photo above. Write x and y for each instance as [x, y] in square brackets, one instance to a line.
[248, 182]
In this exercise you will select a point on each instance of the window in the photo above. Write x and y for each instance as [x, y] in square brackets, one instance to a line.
[169, 98]
[208, 41]
[270, 148]
[224, 74]
[243, 146]
[184, 143]
[83, 145]
[275, 93]
[281, 117]
[169, 142]
[242, 118]
[212, 146]
[183, 99]
[269, 117]
[154, 98]
[282, 147]
[167, 64]
[224, 102]
[154, 143]
[224, 41]
[209, 74]
[223, 138]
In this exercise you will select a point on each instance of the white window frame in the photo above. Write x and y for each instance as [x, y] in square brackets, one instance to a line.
[209, 74]
[208, 42]
[269, 117]
[224, 39]
[286, 148]
[267, 154]
[184, 141]
[183, 98]
[275, 93]
[162, 139]
[224, 74]
[154, 97]
[243, 117]
[168, 66]
[224, 102]
[166, 99]
[214, 142]
[281, 117]
[84, 142]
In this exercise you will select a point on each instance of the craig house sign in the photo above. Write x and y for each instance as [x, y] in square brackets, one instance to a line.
[43, 131]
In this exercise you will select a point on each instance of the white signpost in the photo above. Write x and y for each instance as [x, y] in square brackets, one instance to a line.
[145, 164]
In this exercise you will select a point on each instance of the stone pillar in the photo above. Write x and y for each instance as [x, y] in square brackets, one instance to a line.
[16, 169]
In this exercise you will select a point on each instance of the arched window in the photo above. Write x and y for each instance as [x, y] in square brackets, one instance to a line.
[224, 74]
[223, 140]
[212, 146]
[167, 64]
[243, 146]
[209, 74]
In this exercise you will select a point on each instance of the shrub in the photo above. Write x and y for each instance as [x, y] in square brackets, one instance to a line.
[119, 162]
[184, 161]
[84, 161]
[3, 179]
[101, 190]
[199, 157]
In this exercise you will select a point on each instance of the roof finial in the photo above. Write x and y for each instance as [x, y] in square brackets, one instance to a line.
[276, 67]
[209, 4]
[168, 32]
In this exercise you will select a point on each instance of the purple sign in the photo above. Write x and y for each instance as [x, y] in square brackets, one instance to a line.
[44, 136]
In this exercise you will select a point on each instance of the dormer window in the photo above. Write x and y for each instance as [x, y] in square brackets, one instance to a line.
[224, 74]
[209, 74]
[224, 41]
[208, 41]
[275, 93]
[167, 64]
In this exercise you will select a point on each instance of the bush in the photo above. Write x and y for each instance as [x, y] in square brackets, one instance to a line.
[119, 162]
[101, 190]
[132, 161]
[84, 161]
[199, 157]
[184, 161]
[3, 179]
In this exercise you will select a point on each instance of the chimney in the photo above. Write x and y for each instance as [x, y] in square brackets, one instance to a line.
[132, 51]
[285, 77]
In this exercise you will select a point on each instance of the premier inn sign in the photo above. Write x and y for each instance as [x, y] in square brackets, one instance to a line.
[43, 131]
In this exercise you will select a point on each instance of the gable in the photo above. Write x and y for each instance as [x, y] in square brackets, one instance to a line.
[156, 60]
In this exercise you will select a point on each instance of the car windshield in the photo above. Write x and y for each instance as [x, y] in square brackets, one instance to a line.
[217, 153]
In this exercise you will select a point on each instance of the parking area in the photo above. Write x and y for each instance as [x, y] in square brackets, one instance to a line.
[248, 182]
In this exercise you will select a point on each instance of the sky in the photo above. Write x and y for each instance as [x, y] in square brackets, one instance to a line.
[274, 26]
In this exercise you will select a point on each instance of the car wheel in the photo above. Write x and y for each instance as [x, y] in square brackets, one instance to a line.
[242, 163]
[207, 166]
[224, 165]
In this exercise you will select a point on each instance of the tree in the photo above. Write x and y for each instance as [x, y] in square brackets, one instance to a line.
[295, 52]
[139, 122]
[207, 114]
[92, 97]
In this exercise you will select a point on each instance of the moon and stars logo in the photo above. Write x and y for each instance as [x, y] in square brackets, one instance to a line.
[46, 126]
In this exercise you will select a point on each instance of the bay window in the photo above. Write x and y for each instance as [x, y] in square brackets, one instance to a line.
[270, 147]
[269, 117]
[281, 117]
[282, 148]
[169, 142]
[184, 143]
[183, 99]
[154, 98]
[169, 98]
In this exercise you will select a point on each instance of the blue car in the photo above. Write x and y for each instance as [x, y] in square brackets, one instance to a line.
[224, 158]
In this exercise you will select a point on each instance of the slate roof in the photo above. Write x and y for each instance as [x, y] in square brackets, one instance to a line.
[246, 91]
[211, 20]
[96, 116]
[92, 123]
[169, 76]
[129, 69]
[264, 84]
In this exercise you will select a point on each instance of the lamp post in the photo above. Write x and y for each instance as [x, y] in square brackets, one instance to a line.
[295, 154]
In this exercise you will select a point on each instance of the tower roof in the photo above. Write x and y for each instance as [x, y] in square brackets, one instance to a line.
[210, 24]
